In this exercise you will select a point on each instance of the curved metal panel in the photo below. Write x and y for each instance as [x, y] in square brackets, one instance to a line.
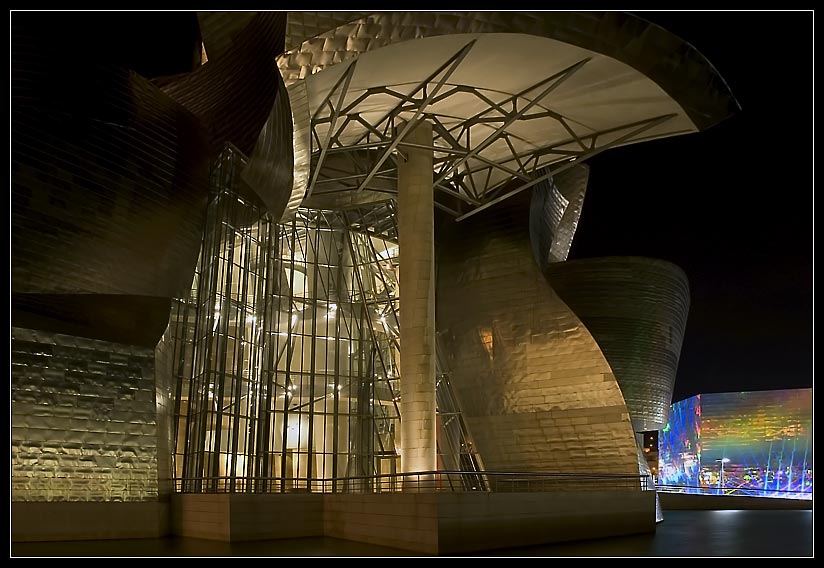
[272, 166]
[233, 94]
[301, 146]
[108, 181]
[301, 26]
[554, 212]
[636, 309]
[131, 320]
[218, 30]
[495, 123]
[533, 386]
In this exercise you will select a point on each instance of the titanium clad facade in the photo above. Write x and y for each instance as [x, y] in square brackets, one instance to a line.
[554, 211]
[278, 365]
[636, 309]
[533, 386]
[83, 419]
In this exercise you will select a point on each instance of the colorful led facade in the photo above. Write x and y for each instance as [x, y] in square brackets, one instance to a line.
[751, 443]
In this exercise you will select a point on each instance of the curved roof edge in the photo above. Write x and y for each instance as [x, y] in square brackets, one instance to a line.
[648, 261]
[675, 65]
[657, 53]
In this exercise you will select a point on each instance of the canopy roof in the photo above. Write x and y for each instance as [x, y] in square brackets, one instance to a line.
[505, 100]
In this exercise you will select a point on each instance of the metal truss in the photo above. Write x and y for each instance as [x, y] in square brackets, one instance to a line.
[353, 151]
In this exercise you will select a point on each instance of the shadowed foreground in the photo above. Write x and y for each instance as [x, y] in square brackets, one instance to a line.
[683, 533]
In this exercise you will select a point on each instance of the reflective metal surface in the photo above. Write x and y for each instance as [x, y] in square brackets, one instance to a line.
[534, 388]
[636, 309]
[271, 166]
[232, 94]
[108, 181]
[554, 212]
[109, 168]
[492, 124]
[83, 419]
[219, 29]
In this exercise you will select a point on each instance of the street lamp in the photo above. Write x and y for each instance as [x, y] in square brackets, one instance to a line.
[722, 461]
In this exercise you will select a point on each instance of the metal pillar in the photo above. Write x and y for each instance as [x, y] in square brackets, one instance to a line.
[417, 291]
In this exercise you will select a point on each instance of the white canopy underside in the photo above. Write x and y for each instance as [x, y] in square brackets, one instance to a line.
[602, 101]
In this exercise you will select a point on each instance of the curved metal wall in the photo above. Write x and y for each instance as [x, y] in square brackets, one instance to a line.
[233, 94]
[108, 182]
[636, 309]
[554, 211]
[109, 171]
[533, 386]
[240, 98]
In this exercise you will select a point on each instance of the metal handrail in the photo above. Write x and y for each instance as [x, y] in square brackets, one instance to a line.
[417, 482]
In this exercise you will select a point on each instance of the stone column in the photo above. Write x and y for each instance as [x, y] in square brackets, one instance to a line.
[417, 292]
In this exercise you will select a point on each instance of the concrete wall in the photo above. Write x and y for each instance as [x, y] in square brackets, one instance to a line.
[683, 501]
[256, 517]
[44, 521]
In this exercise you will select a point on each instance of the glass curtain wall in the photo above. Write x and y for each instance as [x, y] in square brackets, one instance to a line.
[286, 351]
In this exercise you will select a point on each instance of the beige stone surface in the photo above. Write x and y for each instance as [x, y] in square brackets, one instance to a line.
[417, 315]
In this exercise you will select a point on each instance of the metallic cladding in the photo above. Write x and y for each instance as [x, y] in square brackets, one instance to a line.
[533, 386]
[240, 97]
[333, 37]
[636, 309]
[554, 212]
[219, 29]
[108, 181]
[233, 94]
[271, 167]
[109, 169]
[83, 419]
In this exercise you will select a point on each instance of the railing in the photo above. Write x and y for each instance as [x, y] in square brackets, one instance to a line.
[422, 482]
[739, 491]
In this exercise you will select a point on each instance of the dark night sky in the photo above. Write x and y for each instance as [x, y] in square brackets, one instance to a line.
[732, 206]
